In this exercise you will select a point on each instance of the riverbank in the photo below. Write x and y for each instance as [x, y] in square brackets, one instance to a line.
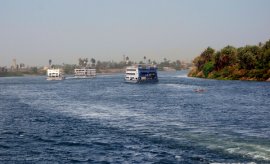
[230, 63]
[10, 74]
[111, 71]
[19, 74]
[230, 73]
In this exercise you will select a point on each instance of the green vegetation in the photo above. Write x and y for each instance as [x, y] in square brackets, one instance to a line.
[230, 63]
[4, 72]
[9, 74]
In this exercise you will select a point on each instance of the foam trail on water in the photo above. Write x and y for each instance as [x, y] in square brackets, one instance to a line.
[177, 119]
[255, 151]
[179, 86]
[182, 76]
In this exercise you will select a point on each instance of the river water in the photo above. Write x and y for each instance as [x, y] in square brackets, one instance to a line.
[104, 120]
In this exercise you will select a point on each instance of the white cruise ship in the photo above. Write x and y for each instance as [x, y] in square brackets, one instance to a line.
[54, 74]
[84, 73]
[141, 74]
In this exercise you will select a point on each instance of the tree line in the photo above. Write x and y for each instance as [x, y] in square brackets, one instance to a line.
[103, 65]
[100, 66]
[251, 62]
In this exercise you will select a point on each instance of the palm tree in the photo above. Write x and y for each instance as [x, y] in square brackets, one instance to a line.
[93, 61]
[83, 62]
[50, 63]
[127, 60]
[144, 58]
[165, 60]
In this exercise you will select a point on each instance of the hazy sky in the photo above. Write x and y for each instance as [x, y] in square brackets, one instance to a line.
[34, 31]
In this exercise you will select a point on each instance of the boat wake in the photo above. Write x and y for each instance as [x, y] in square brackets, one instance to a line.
[179, 116]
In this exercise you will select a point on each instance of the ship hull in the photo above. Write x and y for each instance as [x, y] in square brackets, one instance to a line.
[141, 81]
[55, 78]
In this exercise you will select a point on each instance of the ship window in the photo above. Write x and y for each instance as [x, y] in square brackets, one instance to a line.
[131, 69]
[130, 73]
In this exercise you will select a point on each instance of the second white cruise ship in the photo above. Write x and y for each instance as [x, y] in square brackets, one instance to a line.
[84, 73]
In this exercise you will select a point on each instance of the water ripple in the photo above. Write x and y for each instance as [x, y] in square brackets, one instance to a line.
[104, 120]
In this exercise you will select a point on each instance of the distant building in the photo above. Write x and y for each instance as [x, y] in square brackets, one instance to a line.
[45, 68]
[14, 64]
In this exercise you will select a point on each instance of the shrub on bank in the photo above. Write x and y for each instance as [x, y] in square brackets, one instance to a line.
[244, 63]
[207, 68]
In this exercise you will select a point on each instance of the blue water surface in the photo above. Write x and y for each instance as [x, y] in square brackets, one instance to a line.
[104, 120]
